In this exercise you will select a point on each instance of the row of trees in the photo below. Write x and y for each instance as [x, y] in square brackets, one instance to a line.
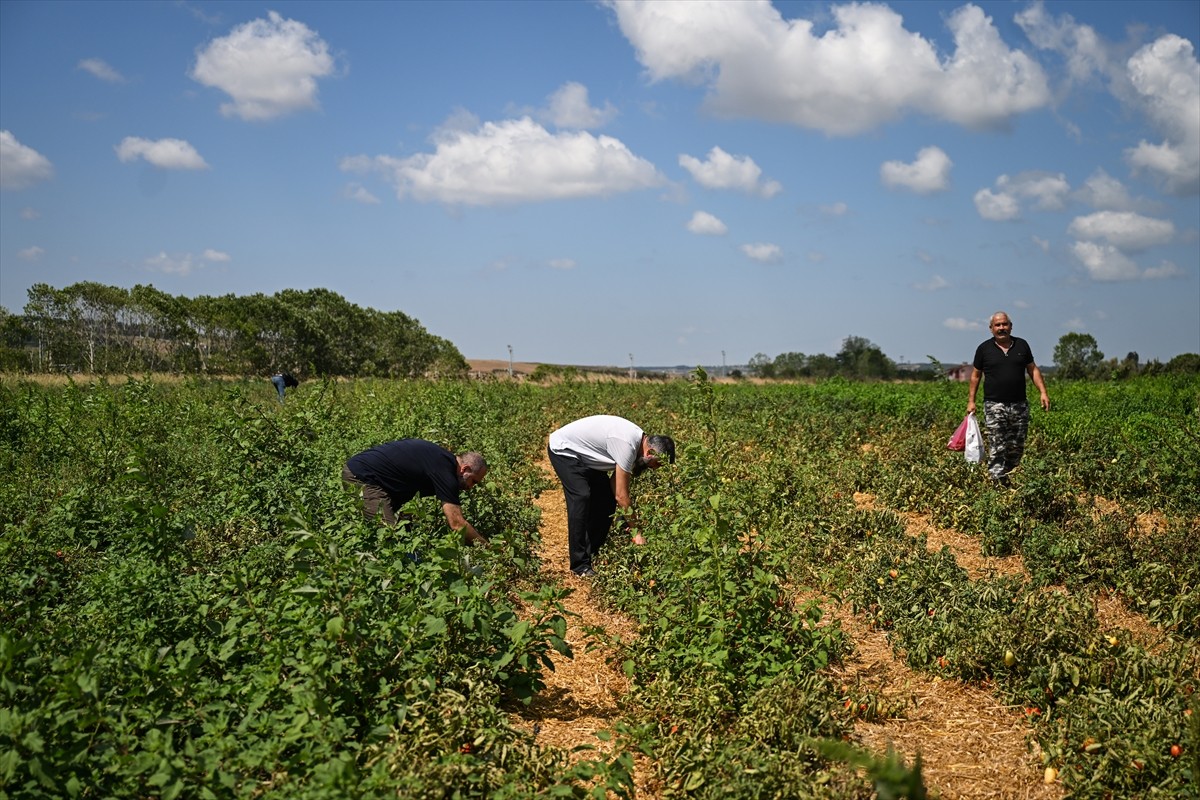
[1078, 356]
[859, 358]
[108, 330]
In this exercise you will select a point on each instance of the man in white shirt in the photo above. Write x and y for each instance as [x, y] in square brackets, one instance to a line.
[583, 453]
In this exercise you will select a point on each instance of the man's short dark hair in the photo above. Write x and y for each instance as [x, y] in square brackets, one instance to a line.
[664, 446]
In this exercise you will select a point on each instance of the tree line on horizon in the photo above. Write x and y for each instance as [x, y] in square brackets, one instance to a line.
[1076, 357]
[859, 359]
[99, 329]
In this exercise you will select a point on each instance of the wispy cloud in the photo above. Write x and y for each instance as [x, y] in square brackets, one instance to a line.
[359, 194]
[163, 153]
[960, 324]
[763, 253]
[101, 70]
[183, 264]
[933, 284]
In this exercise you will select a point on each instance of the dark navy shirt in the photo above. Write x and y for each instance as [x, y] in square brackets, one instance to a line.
[407, 468]
[1003, 375]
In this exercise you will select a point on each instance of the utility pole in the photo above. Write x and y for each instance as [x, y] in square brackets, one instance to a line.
[724, 374]
[510, 361]
[632, 371]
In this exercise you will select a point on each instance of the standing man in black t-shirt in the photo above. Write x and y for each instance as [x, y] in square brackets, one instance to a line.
[391, 474]
[1003, 360]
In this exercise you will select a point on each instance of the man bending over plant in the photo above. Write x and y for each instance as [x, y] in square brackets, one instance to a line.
[583, 454]
[391, 474]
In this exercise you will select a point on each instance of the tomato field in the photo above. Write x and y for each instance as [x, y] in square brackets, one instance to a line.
[191, 604]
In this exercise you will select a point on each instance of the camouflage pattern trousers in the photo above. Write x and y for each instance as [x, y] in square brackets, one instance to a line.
[1007, 424]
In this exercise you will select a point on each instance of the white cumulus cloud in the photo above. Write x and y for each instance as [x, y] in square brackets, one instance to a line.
[1125, 230]
[569, 108]
[1104, 262]
[763, 253]
[1161, 82]
[929, 173]
[837, 209]
[1166, 75]
[162, 153]
[724, 171]
[268, 67]
[996, 206]
[101, 70]
[1103, 191]
[31, 253]
[865, 71]
[216, 256]
[513, 161]
[1048, 191]
[706, 224]
[21, 166]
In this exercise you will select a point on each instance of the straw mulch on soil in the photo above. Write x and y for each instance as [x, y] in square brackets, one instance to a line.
[965, 548]
[971, 745]
[582, 694]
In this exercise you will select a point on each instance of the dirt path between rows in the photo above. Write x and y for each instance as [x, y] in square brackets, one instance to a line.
[582, 694]
[971, 746]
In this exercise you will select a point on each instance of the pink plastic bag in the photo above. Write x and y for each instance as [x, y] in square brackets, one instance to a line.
[959, 440]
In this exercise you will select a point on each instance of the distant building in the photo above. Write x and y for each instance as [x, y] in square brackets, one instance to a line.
[960, 373]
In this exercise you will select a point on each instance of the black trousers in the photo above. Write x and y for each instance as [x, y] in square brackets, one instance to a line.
[590, 507]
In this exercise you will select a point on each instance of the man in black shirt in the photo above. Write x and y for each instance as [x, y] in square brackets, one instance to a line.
[1004, 361]
[391, 474]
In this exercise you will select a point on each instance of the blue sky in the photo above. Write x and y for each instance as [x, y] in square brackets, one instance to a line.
[680, 182]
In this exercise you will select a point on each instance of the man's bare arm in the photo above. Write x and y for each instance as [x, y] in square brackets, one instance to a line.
[457, 522]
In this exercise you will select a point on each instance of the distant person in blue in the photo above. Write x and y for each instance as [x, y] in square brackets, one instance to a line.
[1002, 362]
[283, 380]
[393, 473]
